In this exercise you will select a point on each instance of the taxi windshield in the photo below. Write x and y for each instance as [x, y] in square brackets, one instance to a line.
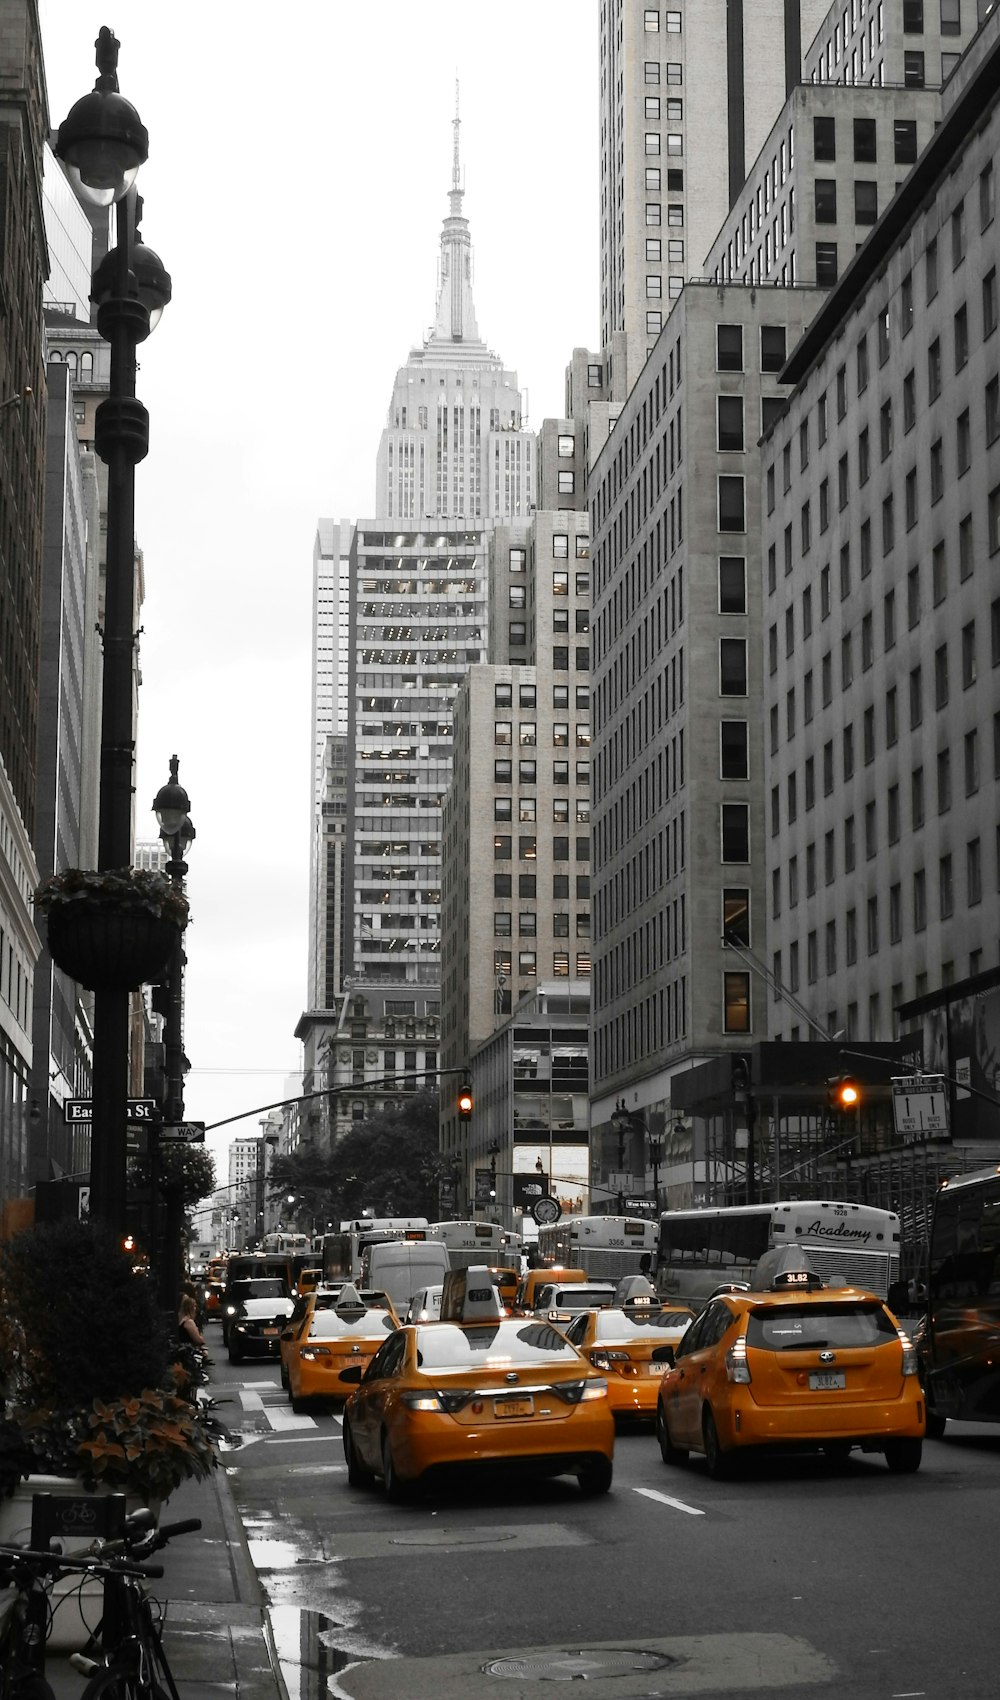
[629, 1325]
[786, 1328]
[491, 1345]
[333, 1325]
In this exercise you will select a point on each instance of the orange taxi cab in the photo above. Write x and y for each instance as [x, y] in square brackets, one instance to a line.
[631, 1345]
[327, 1340]
[489, 1389]
[792, 1364]
[215, 1285]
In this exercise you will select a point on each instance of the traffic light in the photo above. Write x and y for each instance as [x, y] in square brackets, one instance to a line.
[465, 1102]
[843, 1093]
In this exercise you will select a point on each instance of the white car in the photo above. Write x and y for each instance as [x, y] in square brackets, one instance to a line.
[425, 1305]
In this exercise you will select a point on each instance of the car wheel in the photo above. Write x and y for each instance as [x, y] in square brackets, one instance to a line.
[298, 1403]
[235, 1355]
[595, 1477]
[284, 1378]
[837, 1452]
[903, 1456]
[395, 1490]
[357, 1475]
[719, 1463]
[670, 1453]
[936, 1424]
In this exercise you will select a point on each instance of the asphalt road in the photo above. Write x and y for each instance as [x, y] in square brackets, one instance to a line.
[797, 1578]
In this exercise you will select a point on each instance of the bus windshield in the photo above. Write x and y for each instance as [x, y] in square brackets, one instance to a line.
[960, 1362]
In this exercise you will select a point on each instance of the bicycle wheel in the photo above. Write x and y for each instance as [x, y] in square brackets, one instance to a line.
[117, 1683]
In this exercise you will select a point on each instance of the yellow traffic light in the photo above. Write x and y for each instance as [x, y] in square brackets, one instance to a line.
[844, 1093]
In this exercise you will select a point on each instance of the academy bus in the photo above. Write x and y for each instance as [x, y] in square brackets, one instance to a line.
[607, 1247]
[957, 1342]
[343, 1252]
[701, 1250]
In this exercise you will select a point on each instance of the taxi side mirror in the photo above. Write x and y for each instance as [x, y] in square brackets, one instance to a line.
[352, 1373]
[664, 1355]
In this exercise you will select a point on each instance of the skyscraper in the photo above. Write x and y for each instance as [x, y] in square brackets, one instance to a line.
[688, 95]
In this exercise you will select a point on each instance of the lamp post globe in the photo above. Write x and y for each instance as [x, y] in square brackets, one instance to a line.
[103, 141]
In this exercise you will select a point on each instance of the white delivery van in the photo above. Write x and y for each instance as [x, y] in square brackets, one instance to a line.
[399, 1267]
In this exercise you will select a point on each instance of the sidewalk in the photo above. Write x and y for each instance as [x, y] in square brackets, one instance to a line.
[217, 1635]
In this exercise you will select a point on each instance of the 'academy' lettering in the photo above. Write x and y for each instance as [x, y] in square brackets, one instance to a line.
[821, 1231]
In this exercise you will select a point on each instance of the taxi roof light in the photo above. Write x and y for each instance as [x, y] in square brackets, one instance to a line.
[783, 1269]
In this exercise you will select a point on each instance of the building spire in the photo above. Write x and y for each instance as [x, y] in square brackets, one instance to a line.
[455, 319]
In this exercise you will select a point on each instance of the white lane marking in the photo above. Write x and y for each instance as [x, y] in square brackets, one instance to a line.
[280, 1417]
[251, 1401]
[665, 1499]
[293, 1440]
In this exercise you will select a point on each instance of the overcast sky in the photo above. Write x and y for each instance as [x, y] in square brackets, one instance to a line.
[299, 166]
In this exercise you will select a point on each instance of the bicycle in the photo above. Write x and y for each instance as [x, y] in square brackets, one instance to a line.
[24, 1623]
[133, 1664]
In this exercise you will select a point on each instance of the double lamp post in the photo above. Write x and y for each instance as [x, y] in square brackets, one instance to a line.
[102, 144]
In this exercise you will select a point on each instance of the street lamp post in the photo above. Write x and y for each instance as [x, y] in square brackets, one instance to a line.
[171, 805]
[102, 143]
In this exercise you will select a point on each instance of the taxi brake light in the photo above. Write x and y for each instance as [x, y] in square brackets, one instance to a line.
[600, 1360]
[910, 1366]
[311, 1353]
[737, 1368]
[575, 1392]
[594, 1390]
[421, 1401]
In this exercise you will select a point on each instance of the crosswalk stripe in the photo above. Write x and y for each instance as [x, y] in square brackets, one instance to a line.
[665, 1499]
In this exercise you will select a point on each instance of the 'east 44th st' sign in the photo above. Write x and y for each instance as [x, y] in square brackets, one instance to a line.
[142, 1112]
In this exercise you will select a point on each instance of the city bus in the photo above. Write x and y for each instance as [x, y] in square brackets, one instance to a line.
[343, 1252]
[701, 1250]
[607, 1247]
[959, 1339]
[474, 1242]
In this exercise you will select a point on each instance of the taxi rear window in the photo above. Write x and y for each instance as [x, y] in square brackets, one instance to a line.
[581, 1298]
[617, 1325]
[445, 1346]
[785, 1328]
[331, 1325]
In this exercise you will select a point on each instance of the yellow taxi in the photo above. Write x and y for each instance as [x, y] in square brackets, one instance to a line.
[631, 1345]
[526, 1297]
[215, 1285]
[324, 1298]
[489, 1389]
[792, 1364]
[329, 1340]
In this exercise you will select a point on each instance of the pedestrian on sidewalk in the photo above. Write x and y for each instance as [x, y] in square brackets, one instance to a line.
[187, 1326]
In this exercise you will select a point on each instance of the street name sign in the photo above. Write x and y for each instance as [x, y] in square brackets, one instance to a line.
[141, 1111]
[920, 1107]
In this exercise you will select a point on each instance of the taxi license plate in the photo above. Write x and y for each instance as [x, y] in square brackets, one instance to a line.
[828, 1381]
[270, 1333]
[513, 1407]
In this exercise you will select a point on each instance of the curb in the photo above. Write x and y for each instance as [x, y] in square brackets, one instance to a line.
[245, 1578]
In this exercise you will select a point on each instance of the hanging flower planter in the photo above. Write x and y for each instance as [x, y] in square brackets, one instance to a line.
[113, 930]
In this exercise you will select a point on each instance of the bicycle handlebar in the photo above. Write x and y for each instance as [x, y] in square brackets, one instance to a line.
[13, 1558]
[167, 1531]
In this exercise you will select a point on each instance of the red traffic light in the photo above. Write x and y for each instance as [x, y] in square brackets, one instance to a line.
[465, 1102]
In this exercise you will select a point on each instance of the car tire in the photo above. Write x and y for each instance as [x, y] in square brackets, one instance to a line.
[235, 1355]
[357, 1474]
[720, 1466]
[284, 1377]
[395, 1490]
[595, 1477]
[903, 1456]
[298, 1404]
[836, 1453]
[936, 1424]
[670, 1453]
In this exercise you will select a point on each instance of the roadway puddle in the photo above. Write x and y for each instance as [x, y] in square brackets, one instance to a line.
[312, 1649]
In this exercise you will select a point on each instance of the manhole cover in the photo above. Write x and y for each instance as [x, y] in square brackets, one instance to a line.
[441, 1538]
[580, 1666]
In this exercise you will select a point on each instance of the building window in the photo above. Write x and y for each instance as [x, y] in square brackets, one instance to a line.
[502, 732]
[934, 370]
[913, 70]
[730, 423]
[729, 348]
[772, 348]
[961, 338]
[825, 193]
[990, 302]
[732, 667]
[737, 1002]
[735, 832]
[824, 138]
[865, 202]
[905, 141]
[734, 744]
[732, 584]
[826, 264]
[958, 235]
[732, 515]
[651, 20]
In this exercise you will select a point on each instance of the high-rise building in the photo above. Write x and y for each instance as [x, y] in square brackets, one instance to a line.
[453, 447]
[882, 660]
[688, 95]
[401, 614]
[23, 268]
